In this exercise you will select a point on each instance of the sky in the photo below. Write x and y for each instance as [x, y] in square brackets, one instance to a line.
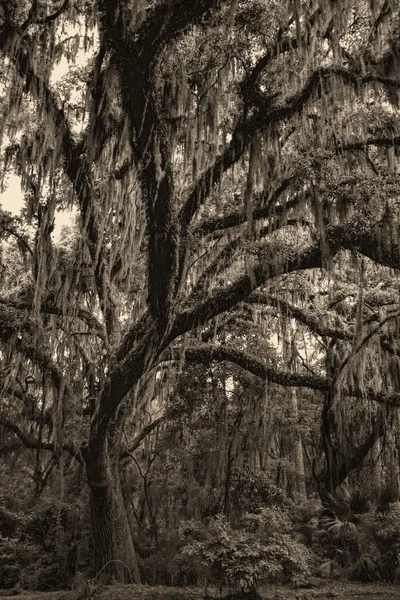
[12, 200]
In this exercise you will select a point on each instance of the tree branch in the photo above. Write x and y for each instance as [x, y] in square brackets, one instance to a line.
[367, 239]
[313, 322]
[209, 353]
[384, 142]
[79, 313]
[141, 436]
[33, 19]
[75, 162]
[35, 444]
[265, 117]
[37, 351]
[238, 218]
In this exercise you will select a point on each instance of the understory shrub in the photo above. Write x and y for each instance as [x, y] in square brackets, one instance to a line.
[353, 536]
[261, 549]
[40, 550]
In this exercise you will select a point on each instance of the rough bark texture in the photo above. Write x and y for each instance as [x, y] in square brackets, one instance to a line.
[113, 547]
[342, 456]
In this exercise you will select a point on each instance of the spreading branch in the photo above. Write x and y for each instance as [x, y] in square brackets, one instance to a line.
[87, 317]
[313, 322]
[246, 132]
[142, 435]
[354, 235]
[208, 353]
[36, 444]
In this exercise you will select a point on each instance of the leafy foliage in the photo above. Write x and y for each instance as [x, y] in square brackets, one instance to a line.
[263, 551]
[354, 537]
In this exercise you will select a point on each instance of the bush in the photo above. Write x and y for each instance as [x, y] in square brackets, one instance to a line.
[253, 490]
[42, 552]
[262, 550]
[353, 536]
[385, 532]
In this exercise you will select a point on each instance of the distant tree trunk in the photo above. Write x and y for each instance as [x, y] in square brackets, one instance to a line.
[330, 478]
[113, 546]
[298, 458]
[391, 460]
[377, 465]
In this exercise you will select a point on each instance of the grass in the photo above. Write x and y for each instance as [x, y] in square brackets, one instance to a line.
[332, 590]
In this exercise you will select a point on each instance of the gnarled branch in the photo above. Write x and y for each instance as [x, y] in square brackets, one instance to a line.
[35, 444]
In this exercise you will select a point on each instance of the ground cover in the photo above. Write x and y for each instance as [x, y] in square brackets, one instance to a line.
[336, 590]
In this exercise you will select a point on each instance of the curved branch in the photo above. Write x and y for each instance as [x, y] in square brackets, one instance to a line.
[366, 239]
[311, 321]
[265, 117]
[209, 353]
[7, 227]
[33, 19]
[362, 343]
[227, 297]
[238, 218]
[35, 444]
[79, 313]
[141, 436]
[250, 87]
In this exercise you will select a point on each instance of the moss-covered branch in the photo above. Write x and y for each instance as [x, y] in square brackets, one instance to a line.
[15, 44]
[209, 353]
[312, 321]
[29, 442]
[147, 429]
[28, 342]
[83, 315]
[265, 117]
[367, 239]
[237, 218]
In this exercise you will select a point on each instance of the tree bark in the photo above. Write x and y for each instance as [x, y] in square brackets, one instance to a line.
[342, 457]
[298, 458]
[113, 547]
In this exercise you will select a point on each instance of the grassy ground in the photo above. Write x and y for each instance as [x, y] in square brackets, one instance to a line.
[332, 590]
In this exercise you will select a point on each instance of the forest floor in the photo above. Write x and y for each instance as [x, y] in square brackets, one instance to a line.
[331, 590]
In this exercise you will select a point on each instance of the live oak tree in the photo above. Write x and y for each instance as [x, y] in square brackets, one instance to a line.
[213, 150]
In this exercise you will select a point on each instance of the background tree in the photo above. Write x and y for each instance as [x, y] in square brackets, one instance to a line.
[214, 151]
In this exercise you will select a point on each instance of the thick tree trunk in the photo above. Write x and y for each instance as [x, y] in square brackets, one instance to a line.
[342, 457]
[113, 547]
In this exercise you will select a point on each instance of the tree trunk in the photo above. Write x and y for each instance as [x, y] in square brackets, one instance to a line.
[298, 458]
[113, 548]
[342, 457]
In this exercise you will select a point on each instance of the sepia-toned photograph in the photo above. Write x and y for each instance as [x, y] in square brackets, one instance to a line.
[199, 299]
